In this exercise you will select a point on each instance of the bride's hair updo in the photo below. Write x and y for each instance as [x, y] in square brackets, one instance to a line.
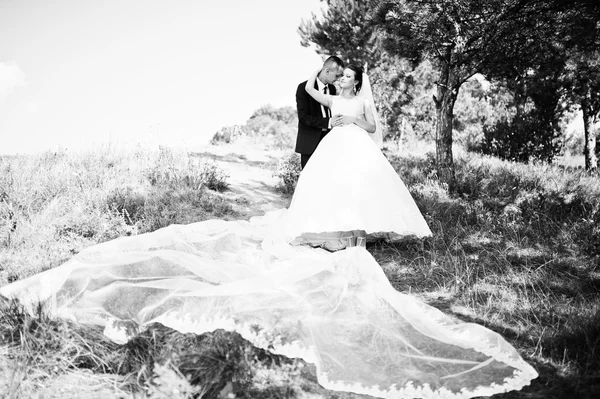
[358, 75]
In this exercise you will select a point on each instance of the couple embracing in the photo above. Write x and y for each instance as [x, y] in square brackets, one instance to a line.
[347, 192]
[314, 111]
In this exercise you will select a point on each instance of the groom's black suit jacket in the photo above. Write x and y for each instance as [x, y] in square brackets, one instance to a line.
[310, 120]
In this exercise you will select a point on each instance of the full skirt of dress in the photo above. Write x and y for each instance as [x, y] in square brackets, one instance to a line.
[348, 184]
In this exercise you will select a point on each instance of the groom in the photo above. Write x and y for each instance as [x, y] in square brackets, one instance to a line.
[314, 119]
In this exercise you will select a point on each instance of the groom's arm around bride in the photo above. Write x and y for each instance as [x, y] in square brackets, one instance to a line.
[313, 118]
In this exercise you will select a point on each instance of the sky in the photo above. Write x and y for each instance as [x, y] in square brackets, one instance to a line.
[79, 73]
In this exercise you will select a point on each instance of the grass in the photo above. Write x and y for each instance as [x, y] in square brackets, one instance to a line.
[55, 204]
[515, 248]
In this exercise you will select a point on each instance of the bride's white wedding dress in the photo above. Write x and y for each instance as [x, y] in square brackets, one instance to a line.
[348, 184]
[334, 309]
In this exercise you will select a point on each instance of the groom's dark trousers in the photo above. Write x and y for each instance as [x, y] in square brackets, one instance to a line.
[312, 125]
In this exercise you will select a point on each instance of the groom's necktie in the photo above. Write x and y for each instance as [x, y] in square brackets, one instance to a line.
[327, 111]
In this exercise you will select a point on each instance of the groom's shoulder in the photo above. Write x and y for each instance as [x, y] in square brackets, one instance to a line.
[301, 87]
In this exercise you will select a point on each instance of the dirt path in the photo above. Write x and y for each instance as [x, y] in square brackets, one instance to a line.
[251, 182]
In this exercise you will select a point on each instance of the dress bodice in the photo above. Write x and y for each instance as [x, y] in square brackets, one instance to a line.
[348, 106]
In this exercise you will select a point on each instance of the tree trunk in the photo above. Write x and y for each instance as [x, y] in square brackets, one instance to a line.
[589, 149]
[447, 91]
[598, 150]
[520, 96]
[401, 138]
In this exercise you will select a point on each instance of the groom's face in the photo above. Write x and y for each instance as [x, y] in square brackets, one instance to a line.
[333, 74]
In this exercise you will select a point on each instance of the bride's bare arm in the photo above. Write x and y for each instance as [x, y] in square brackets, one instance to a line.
[316, 94]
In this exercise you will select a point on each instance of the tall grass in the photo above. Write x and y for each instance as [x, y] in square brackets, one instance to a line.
[53, 205]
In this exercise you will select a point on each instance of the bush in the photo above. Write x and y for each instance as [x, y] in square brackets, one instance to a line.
[288, 171]
[185, 171]
[227, 134]
[275, 126]
[274, 132]
[210, 175]
[286, 115]
[525, 138]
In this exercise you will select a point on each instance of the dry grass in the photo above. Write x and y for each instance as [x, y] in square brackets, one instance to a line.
[515, 248]
[55, 204]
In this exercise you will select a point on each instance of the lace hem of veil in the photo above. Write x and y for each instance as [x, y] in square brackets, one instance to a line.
[264, 339]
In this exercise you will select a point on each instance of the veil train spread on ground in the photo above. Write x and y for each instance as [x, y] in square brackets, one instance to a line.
[334, 309]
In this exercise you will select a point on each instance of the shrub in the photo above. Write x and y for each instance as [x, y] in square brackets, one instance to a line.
[288, 171]
[287, 115]
[227, 134]
[185, 171]
[210, 175]
[275, 126]
[525, 138]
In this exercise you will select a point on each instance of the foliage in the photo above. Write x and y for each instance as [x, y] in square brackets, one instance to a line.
[287, 115]
[274, 132]
[582, 75]
[275, 126]
[344, 30]
[525, 138]
[461, 40]
[168, 383]
[227, 134]
[480, 105]
[287, 172]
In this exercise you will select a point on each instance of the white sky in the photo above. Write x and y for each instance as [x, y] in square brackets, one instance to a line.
[76, 73]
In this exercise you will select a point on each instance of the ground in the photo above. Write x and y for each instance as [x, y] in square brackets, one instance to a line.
[251, 182]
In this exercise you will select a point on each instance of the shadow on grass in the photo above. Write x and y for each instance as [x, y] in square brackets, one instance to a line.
[555, 380]
[519, 254]
[562, 325]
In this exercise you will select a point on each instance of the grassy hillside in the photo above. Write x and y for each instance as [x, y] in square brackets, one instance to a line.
[54, 204]
[515, 247]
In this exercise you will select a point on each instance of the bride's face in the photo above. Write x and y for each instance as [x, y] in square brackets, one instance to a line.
[348, 79]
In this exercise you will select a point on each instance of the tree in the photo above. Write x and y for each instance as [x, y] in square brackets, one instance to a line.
[344, 29]
[462, 38]
[585, 69]
[583, 74]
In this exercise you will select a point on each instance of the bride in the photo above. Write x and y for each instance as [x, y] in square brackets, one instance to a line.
[335, 309]
[348, 188]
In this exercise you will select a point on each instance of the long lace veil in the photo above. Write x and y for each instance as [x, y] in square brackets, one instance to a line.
[366, 92]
